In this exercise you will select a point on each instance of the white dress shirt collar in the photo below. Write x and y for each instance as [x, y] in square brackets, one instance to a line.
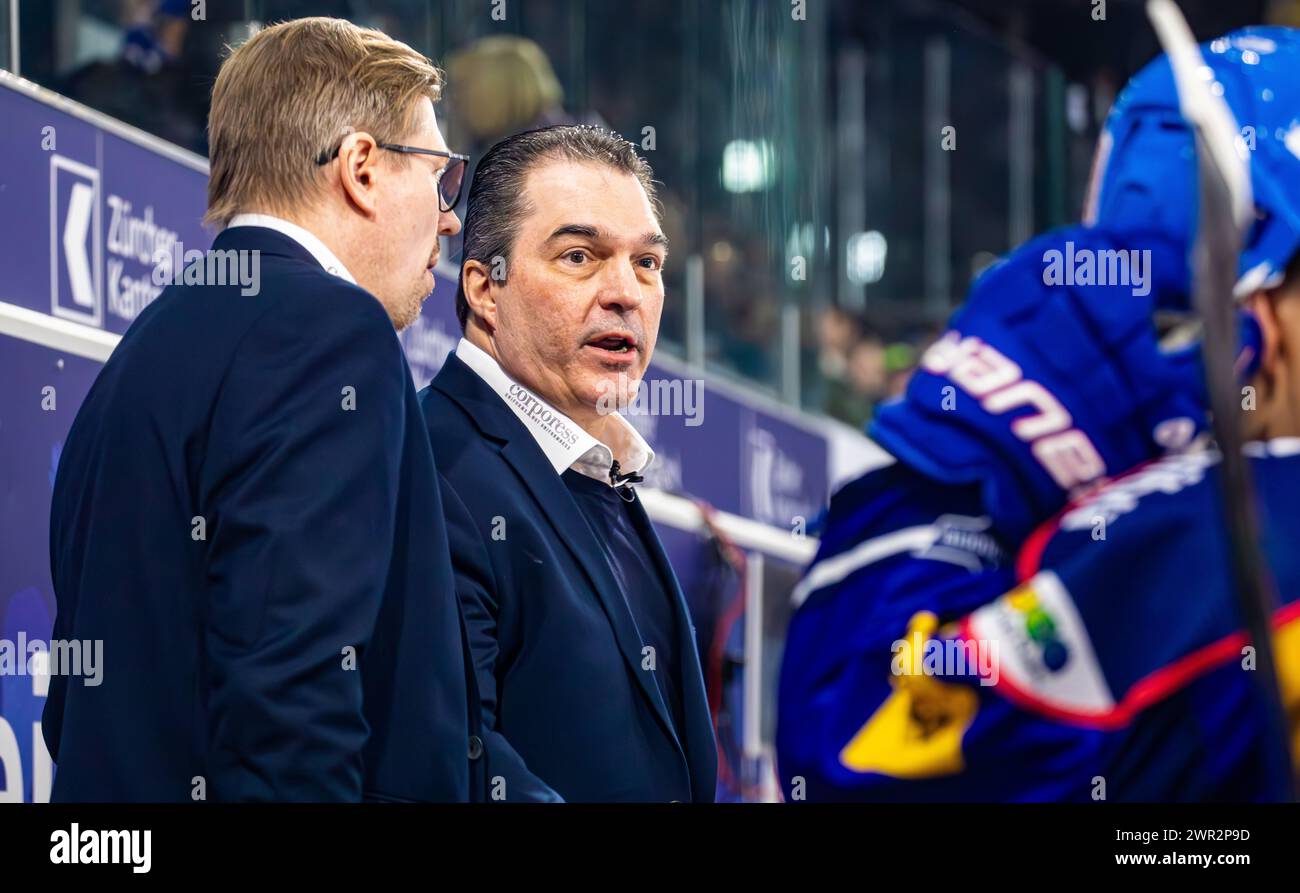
[565, 444]
[314, 246]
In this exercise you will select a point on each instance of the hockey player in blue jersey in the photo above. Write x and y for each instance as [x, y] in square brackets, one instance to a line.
[1034, 600]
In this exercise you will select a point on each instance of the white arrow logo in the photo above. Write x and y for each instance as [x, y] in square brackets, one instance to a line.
[75, 230]
[75, 242]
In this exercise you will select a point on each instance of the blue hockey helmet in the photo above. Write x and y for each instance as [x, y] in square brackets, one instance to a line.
[1144, 172]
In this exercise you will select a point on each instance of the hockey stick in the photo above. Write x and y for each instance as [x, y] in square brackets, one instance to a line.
[1226, 210]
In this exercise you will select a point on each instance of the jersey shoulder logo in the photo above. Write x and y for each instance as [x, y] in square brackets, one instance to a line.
[1045, 657]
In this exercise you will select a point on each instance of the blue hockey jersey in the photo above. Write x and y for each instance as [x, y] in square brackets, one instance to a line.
[1105, 660]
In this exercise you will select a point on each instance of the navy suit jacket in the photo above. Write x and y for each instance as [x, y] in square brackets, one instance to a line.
[568, 710]
[235, 534]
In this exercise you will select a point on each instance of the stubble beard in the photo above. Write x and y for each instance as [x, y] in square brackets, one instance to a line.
[407, 308]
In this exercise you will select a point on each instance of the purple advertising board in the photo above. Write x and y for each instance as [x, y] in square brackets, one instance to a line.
[86, 205]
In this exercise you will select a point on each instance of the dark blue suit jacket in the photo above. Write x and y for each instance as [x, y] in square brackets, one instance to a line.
[227, 639]
[567, 708]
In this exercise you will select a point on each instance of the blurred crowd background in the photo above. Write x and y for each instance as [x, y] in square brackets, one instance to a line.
[824, 219]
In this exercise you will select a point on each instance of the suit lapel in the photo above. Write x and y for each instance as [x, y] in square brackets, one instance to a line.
[697, 736]
[556, 503]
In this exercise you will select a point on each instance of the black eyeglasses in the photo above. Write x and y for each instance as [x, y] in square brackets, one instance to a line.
[450, 178]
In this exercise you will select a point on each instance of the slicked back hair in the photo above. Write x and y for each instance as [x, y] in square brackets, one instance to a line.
[496, 196]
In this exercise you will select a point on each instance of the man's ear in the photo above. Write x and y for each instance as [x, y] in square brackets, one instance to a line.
[1262, 306]
[476, 282]
[359, 170]
[1278, 395]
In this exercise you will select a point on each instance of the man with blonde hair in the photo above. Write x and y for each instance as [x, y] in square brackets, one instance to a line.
[246, 511]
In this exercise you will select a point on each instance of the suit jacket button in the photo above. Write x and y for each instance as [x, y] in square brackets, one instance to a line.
[475, 747]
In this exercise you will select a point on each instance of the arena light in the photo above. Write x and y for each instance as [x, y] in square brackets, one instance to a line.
[864, 257]
[748, 166]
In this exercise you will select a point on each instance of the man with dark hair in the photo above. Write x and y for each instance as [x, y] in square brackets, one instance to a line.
[585, 653]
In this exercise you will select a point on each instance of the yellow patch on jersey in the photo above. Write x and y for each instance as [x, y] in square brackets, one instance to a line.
[917, 732]
[1286, 647]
